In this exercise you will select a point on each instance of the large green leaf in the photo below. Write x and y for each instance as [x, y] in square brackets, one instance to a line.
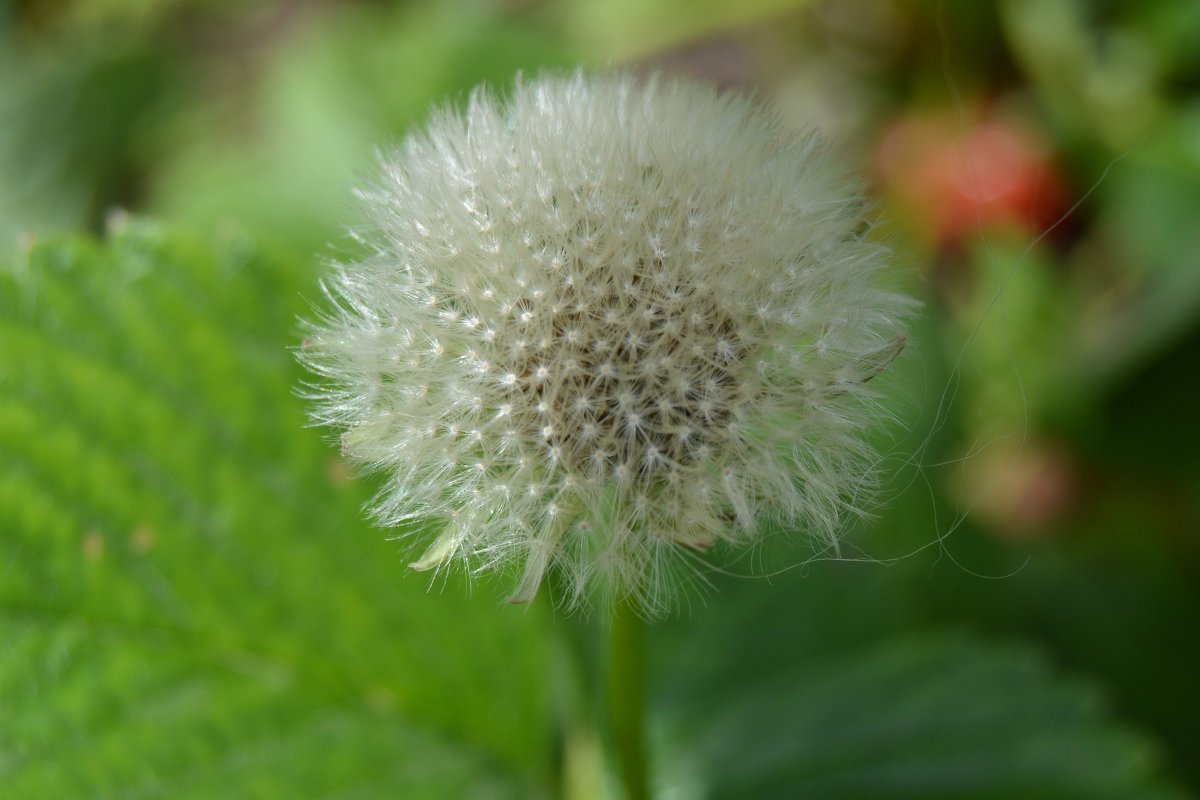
[815, 686]
[919, 719]
[189, 603]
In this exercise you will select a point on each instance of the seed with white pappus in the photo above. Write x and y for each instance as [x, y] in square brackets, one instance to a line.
[604, 325]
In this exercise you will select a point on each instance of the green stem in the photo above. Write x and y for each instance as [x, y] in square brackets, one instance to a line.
[626, 690]
[580, 766]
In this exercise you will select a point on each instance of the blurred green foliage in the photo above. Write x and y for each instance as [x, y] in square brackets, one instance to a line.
[185, 604]
[192, 606]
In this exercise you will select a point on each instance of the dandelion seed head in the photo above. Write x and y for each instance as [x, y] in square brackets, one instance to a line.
[642, 316]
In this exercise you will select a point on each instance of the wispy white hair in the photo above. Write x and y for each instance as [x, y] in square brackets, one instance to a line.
[609, 322]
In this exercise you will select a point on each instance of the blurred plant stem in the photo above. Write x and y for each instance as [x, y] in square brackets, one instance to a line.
[580, 757]
[625, 698]
[578, 767]
[601, 702]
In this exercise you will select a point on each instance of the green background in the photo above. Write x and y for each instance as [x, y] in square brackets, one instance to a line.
[192, 606]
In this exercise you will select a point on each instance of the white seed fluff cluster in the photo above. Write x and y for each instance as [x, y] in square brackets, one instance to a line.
[604, 324]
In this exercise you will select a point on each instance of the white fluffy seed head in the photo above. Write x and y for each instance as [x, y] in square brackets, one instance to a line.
[607, 323]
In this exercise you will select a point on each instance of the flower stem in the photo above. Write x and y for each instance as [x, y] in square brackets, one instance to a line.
[580, 764]
[626, 690]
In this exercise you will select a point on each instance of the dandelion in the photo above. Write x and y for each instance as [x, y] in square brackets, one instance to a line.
[604, 325]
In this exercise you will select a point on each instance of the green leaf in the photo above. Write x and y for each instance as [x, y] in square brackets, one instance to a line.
[190, 605]
[920, 719]
[832, 700]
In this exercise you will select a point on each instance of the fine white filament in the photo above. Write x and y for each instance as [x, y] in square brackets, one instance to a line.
[605, 323]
